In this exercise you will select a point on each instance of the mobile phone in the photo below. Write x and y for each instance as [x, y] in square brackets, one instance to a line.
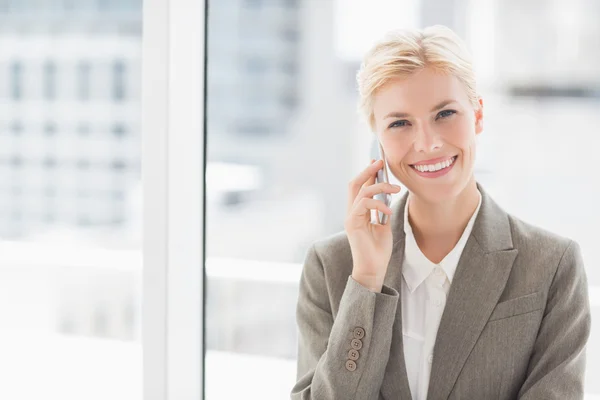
[382, 176]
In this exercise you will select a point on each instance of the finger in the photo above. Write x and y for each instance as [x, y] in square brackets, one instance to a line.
[357, 183]
[363, 208]
[366, 174]
[370, 181]
[372, 190]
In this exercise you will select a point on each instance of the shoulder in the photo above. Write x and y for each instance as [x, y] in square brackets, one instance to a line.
[334, 248]
[528, 237]
[543, 253]
[328, 264]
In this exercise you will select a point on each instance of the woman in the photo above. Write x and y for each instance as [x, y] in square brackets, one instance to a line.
[453, 298]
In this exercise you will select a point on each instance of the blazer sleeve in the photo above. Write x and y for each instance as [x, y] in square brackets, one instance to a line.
[337, 361]
[557, 366]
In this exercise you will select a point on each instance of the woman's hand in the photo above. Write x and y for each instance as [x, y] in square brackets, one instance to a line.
[371, 244]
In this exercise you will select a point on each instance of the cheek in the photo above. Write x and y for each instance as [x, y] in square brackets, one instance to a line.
[395, 146]
[396, 151]
[459, 133]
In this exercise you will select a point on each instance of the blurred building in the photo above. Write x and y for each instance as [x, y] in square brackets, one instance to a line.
[276, 100]
[253, 68]
[70, 124]
[548, 47]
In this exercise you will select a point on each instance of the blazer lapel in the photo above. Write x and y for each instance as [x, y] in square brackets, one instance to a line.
[395, 381]
[479, 280]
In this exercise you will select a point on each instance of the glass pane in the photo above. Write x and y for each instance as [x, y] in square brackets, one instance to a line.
[284, 140]
[70, 200]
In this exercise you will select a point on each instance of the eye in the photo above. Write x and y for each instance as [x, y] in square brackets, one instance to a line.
[445, 113]
[398, 124]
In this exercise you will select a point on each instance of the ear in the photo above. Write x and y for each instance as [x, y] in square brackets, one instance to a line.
[479, 117]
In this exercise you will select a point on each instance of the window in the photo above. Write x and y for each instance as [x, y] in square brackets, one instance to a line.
[17, 190]
[253, 128]
[49, 191]
[118, 88]
[119, 130]
[50, 162]
[49, 218]
[290, 34]
[49, 81]
[84, 71]
[17, 216]
[256, 4]
[103, 5]
[118, 165]
[16, 128]
[16, 161]
[50, 128]
[289, 67]
[267, 202]
[16, 80]
[83, 129]
[67, 277]
[256, 66]
[83, 164]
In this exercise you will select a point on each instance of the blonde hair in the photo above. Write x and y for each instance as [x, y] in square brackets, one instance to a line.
[403, 52]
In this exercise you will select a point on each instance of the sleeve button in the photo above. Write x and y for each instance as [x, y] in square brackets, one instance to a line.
[353, 355]
[359, 333]
[356, 344]
[350, 365]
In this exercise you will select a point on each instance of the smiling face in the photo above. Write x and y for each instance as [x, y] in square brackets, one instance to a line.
[427, 126]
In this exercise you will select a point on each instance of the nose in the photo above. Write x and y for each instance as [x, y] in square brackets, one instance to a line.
[426, 140]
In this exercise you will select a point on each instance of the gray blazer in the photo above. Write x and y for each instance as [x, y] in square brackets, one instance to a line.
[515, 326]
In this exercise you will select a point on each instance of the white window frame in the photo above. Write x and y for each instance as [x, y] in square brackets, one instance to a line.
[173, 165]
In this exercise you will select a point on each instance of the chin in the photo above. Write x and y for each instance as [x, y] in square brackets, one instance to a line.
[437, 192]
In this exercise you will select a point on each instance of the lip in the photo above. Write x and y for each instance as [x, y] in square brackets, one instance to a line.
[433, 160]
[436, 173]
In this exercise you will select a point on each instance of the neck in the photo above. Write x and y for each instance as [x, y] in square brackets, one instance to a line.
[444, 221]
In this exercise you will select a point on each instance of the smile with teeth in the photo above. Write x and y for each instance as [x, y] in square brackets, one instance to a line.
[435, 167]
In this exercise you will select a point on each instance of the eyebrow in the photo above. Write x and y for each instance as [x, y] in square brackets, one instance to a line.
[395, 114]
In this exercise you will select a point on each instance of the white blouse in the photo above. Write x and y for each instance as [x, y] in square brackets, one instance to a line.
[426, 286]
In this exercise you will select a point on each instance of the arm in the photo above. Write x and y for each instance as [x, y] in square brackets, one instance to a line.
[557, 365]
[324, 343]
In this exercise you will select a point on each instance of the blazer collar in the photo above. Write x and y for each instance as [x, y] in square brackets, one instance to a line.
[418, 270]
[491, 228]
[480, 277]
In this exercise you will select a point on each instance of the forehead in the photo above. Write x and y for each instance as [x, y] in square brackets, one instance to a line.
[418, 93]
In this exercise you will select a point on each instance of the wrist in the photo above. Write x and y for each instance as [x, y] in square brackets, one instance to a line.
[372, 283]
